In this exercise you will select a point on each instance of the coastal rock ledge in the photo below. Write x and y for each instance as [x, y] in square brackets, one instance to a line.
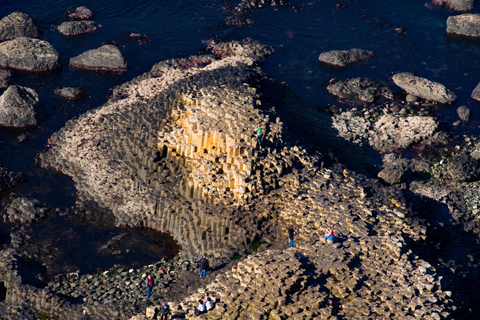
[174, 150]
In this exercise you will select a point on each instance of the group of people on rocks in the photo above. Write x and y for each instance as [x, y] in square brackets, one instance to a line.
[329, 235]
[204, 304]
[164, 309]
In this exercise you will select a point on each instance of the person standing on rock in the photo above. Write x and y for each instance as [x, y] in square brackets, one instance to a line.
[149, 283]
[164, 311]
[203, 264]
[259, 135]
[291, 235]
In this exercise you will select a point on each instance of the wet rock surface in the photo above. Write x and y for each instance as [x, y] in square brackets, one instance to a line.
[467, 24]
[24, 210]
[20, 107]
[343, 58]
[6, 78]
[105, 58]
[74, 28]
[424, 88]
[9, 179]
[28, 54]
[16, 25]
[72, 93]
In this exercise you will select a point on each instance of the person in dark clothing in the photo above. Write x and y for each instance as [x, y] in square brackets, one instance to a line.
[291, 235]
[149, 283]
[203, 264]
[164, 311]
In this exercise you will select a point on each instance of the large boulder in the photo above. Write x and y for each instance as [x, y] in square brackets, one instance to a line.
[6, 78]
[424, 88]
[467, 24]
[476, 93]
[464, 113]
[20, 107]
[25, 210]
[457, 5]
[105, 58]
[72, 93]
[359, 90]
[463, 167]
[74, 28]
[28, 54]
[16, 25]
[79, 13]
[342, 58]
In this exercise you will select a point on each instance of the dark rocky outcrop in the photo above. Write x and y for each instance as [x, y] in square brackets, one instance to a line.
[343, 58]
[74, 28]
[10, 180]
[457, 5]
[6, 78]
[395, 170]
[28, 54]
[467, 24]
[424, 88]
[359, 90]
[20, 107]
[16, 25]
[72, 93]
[463, 168]
[79, 13]
[105, 58]
[464, 113]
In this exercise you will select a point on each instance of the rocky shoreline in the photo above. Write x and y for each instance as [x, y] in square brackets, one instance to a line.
[174, 150]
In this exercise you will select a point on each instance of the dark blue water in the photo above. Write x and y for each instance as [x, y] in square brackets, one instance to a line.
[177, 28]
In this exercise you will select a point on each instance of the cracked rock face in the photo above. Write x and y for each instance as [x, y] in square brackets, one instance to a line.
[28, 54]
[16, 25]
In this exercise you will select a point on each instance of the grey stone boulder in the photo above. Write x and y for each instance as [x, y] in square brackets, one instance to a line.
[16, 25]
[359, 90]
[395, 170]
[10, 180]
[424, 88]
[476, 93]
[28, 54]
[463, 167]
[20, 107]
[74, 28]
[457, 5]
[79, 13]
[72, 93]
[105, 58]
[464, 113]
[6, 78]
[467, 24]
[343, 58]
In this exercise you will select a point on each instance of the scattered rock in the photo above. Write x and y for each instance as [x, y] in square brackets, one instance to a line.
[395, 170]
[424, 88]
[79, 13]
[359, 89]
[6, 78]
[10, 180]
[410, 98]
[467, 24]
[74, 28]
[105, 58]
[16, 25]
[20, 107]
[28, 54]
[476, 93]
[457, 5]
[464, 113]
[463, 168]
[342, 58]
[72, 93]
